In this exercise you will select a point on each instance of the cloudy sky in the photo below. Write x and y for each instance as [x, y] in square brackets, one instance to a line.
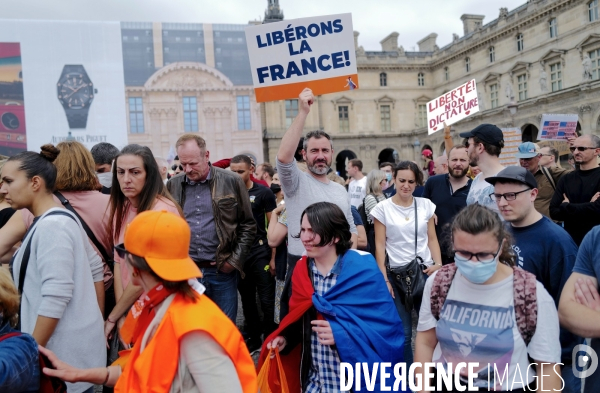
[374, 19]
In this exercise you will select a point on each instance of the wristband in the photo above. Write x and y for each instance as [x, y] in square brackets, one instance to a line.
[107, 375]
[108, 320]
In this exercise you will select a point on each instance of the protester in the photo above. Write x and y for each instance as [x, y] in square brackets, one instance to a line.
[549, 157]
[388, 169]
[225, 162]
[19, 359]
[405, 239]
[265, 172]
[358, 183]
[546, 178]
[540, 247]
[576, 199]
[163, 168]
[55, 268]
[217, 208]
[184, 343]
[483, 281]
[277, 234]
[440, 165]
[104, 155]
[449, 192]
[339, 311]
[473, 171]
[176, 167]
[571, 162]
[427, 156]
[257, 276]
[140, 189]
[484, 144]
[6, 212]
[377, 183]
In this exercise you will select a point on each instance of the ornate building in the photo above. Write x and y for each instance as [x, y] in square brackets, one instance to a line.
[542, 57]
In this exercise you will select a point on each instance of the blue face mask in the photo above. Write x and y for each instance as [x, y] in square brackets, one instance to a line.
[388, 176]
[476, 272]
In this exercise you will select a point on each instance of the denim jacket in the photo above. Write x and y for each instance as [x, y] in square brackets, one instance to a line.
[19, 362]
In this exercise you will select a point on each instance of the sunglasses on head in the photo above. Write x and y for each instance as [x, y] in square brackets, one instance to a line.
[121, 251]
[174, 167]
[580, 148]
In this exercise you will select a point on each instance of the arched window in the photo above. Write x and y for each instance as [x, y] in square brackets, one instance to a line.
[492, 54]
[468, 64]
[421, 79]
[383, 79]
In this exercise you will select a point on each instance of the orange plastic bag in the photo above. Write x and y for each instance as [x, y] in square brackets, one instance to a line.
[270, 379]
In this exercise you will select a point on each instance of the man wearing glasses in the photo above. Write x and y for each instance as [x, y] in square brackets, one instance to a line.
[540, 246]
[547, 178]
[576, 199]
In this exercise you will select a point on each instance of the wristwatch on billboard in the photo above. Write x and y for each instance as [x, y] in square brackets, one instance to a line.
[75, 93]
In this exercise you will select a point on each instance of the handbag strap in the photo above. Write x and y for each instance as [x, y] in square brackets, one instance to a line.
[86, 228]
[549, 177]
[416, 226]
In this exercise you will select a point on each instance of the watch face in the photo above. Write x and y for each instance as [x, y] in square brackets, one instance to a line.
[75, 90]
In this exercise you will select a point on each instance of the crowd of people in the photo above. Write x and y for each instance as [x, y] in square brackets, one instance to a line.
[120, 270]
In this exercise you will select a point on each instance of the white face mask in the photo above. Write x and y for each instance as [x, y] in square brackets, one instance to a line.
[105, 179]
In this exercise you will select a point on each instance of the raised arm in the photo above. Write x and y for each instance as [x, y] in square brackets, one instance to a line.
[289, 142]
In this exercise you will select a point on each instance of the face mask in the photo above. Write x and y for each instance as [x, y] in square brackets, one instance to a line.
[105, 179]
[275, 188]
[476, 272]
[388, 176]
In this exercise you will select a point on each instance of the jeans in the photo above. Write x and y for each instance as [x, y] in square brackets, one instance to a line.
[221, 288]
[572, 383]
[406, 318]
[287, 288]
[258, 277]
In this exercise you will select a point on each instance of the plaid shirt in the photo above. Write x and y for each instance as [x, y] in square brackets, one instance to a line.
[325, 366]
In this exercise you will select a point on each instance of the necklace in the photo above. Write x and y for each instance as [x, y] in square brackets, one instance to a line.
[406, 217]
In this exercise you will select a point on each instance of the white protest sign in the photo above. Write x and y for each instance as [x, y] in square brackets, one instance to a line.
[316, 52]
[452, 106]
[512, 139]
[558, 127]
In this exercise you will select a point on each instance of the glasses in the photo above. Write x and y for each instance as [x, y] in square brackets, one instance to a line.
[480, 256]
[174, 167]
[580, 148]
[121, 251]
[530, 158]
[547, 155]
[509, 196]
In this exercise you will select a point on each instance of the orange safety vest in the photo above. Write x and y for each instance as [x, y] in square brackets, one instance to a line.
[154, 369]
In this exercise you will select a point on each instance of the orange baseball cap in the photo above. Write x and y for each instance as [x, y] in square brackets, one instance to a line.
[163, 240]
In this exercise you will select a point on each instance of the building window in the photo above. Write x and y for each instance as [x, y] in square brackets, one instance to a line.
[291, 111]
[243, 113]
[519, 42]
[343, 117]
[522, 86]
[421, 79]
[556, 76]
[446, 74]
[593, 10]
[190, 114]
[468, 64]
[492, 54]
[386, 124]
[595, 57]
[422, 115]
[494, 95]
[383, 79]
[553, 28]
[136, 115]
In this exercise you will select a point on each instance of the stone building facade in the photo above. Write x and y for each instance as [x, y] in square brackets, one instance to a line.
[542, 57]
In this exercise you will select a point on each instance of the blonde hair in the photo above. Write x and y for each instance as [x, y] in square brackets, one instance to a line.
[191, 137]
[374, 179]
[75, 168]
[9, 298]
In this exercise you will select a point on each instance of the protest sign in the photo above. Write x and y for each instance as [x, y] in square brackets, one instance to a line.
[452, 106]
[316, 52]
[512, 139]
[558, 127]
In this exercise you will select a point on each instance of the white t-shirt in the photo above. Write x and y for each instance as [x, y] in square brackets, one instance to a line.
[357, 189]
[400, 232]
[480, 193]
[477, 324]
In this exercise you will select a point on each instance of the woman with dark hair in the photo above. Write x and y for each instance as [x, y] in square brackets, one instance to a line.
[405, 238]
[140, 189]
[6, 212]
[477, 310]
[55, 267]
[183, 341]
[339, 310]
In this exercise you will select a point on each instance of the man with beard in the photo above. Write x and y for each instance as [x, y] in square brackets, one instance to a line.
[302, 189]
[449, 194]
[484, 144]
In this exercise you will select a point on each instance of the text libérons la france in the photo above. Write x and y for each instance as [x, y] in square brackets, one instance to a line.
[324, 62]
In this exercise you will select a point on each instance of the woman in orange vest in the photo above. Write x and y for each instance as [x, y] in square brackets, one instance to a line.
[183, 341]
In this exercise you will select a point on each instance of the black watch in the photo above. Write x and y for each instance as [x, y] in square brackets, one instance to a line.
[75, 92]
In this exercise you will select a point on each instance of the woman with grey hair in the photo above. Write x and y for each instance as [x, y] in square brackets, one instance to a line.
[376, 184]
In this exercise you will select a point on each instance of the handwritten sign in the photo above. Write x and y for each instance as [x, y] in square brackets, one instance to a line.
[452, 106]
[512, 139]
[558, 127]
[316, 52]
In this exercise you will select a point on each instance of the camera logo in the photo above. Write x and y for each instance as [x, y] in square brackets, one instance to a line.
[587, 362]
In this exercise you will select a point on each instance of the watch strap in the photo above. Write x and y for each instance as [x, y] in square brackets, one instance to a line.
[77, 118]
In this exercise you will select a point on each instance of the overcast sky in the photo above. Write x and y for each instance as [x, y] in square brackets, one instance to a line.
[374, 19]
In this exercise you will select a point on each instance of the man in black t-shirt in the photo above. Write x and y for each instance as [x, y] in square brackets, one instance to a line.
[257, 267]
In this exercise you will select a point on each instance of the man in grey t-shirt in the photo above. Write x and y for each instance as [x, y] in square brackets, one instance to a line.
[302, 189]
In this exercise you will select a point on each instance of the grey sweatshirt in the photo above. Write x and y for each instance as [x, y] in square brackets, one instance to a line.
[59, 283]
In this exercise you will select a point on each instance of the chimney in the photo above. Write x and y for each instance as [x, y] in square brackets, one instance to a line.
[471, 22]
[427, 44]
[390, 43]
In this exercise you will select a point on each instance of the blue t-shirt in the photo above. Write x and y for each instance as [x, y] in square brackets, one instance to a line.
[356, 216]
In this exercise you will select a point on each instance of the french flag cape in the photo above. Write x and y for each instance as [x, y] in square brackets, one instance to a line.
[364, 320]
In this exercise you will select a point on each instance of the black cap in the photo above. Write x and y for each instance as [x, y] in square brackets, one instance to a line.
[488, 133]
[514, 174]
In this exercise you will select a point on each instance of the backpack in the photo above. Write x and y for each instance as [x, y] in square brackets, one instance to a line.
[525, 298]
[47, 384]
[363, 215]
